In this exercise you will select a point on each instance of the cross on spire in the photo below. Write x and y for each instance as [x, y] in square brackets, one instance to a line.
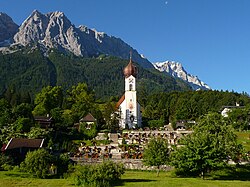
[130, 55]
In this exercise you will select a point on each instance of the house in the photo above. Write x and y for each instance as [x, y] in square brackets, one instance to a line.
[44, 121]
[17, 148]
[225, 109]
[88, 119]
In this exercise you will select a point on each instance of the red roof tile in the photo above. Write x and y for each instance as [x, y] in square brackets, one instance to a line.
[120, 101]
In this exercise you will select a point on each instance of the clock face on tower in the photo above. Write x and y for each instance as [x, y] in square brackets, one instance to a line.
[131, 106]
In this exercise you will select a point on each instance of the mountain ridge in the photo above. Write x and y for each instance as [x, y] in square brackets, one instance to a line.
[175, 69]
[55, 30]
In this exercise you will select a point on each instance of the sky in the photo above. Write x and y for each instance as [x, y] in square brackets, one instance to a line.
[210, 38]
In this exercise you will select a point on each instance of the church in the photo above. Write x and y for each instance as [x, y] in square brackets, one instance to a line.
[128, 107]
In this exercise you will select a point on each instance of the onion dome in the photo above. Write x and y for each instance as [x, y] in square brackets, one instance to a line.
[130, 69]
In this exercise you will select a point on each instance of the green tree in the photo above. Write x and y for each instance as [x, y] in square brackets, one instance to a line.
[89, 131]
[208, 147]
[38, 163]
[5, 112]
[80, 99]
[24, 110]
[110, 116]
[22, 125]
[239, 118]
[156, 153]
[48, 99]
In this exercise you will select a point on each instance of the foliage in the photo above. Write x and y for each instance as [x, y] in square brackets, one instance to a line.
[156, 153]
[62, 163]
[211, 144]
[156, 123]
[89, 131]
[37, 132]
[111, 116]
[80, 99]
[101, 175]
[5, 160]
[48, 99]
[5, 112]
[38, 163]
[23, 124]
[189, 105]
[239, 118]
[25, 72]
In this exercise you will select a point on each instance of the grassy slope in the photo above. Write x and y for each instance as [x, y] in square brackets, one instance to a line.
[130, 178]
[244, 139]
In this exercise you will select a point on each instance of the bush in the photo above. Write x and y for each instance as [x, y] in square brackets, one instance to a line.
[4, 161]
[102, 175]
[38, 163]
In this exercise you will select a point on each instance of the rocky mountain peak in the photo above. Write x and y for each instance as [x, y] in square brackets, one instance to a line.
[55, 30]
[176, 70]
[7, 28]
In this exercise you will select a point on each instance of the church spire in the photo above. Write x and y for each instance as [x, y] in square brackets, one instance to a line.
[130, 69]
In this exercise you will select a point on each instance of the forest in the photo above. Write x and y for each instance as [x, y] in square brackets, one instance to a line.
[25, 72]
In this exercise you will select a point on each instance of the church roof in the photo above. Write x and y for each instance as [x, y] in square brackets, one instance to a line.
[120, 101]
[130, 69]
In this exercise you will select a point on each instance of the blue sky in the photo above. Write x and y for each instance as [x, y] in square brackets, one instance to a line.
[211, 38]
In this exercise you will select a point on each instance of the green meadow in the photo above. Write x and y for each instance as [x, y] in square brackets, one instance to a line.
[132, 178]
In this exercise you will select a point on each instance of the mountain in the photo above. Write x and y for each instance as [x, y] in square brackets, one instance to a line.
[28, 71]
[55, 30]
[7, 29]
[175, 69]
[48, 49]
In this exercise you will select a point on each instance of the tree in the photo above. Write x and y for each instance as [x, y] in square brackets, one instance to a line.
[240, 118]
[80, 99]
[38, 163]
[49, 98]
[111, 116]
[156, 153]
[208, 147]
[23, 110]
[5, 112]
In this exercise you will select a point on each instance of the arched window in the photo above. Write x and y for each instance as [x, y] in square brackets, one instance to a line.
[130, 87]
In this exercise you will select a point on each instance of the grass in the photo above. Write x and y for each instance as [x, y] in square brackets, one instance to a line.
[13, 179]
[139, 179]
[244, 139]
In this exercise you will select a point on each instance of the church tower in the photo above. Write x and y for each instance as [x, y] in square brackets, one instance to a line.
[129, 108]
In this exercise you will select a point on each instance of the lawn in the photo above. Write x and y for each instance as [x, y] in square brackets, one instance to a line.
[244, 139]
[130, 178]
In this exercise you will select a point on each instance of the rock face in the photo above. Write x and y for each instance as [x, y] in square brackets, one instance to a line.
[175, 69]
[7, 29]
[54, 30]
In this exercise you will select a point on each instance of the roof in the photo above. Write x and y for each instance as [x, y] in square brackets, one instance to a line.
[43, 118]
[88, 118]
[120, 101]
[130, 69]
[24, 142]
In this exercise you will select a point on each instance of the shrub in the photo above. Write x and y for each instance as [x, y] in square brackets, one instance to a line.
[38, 163]
[102, 175]
[4, 161]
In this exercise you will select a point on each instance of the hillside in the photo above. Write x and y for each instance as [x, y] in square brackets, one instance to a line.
[28, 70]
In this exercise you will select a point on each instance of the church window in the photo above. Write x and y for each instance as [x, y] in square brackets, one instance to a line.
[130, 87]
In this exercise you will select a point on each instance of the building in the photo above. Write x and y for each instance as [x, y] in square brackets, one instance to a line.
[17, 148]
[128, 107]
[226, 109]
